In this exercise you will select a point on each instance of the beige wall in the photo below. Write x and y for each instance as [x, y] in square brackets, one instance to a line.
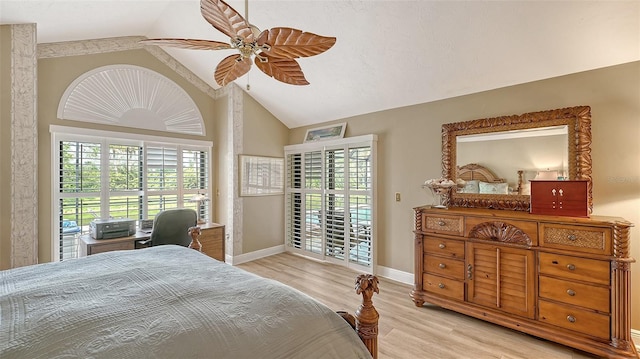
[54, 76]
[409, 150]
[5, 148]
[263, 216]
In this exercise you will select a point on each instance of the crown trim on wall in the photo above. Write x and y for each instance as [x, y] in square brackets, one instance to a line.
[131, 96]
[123, 43]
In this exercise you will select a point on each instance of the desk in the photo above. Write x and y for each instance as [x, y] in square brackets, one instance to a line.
[211, 239]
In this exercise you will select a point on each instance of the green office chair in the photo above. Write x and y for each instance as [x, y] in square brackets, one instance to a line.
[171, 226]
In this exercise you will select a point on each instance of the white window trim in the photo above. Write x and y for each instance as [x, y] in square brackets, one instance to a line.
[67, 133]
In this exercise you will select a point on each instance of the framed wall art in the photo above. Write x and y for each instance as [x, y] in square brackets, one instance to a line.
[261, 176]
[326, 132]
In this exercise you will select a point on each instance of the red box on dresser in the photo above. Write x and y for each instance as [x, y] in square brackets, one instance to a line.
[560, 198]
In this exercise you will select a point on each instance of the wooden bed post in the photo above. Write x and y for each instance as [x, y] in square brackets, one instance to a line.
[195, 232]
[367, 315]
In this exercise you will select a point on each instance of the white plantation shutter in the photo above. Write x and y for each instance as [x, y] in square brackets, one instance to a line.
[162, 178]
[125, 181]
[79, 177]
[293, 206]
[195, 180]
[330, 202]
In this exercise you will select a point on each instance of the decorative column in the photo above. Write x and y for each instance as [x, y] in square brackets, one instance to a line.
[621, 288]
[418, 253]
[234, 139]
[24, 146]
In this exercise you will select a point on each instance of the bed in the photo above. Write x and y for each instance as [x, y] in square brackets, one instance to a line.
[171, 302]
[480, 179]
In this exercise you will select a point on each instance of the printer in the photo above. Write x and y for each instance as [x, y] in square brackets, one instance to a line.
[112, 228]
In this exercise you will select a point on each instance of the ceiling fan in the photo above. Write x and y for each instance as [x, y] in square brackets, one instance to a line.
[274, 50]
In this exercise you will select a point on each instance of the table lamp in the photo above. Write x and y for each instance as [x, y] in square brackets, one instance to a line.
[199, 198]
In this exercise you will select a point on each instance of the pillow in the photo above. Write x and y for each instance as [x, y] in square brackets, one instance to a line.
[470, 187]
[494, 188]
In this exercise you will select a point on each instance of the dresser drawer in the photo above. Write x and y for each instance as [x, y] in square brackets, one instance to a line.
[573, 318]
[444, 224]
[443, 286]
[576, 238]
[576, 268]
[446, 267]
[584, 295]
[444, 247]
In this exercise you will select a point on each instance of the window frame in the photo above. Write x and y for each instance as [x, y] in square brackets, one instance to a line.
[107, 138]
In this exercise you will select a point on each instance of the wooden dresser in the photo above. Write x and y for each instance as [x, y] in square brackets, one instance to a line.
[212, 241]
[565, 279]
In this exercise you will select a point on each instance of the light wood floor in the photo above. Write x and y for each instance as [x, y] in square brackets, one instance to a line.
[406, 331]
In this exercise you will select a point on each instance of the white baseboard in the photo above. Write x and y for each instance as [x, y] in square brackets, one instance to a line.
[635, 336]
[394, 274]
[251, 256]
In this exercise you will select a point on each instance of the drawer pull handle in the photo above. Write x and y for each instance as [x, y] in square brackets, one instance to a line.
[441, 246]
[442, 266]
[442, 223]
[571, 267]
[571, 318]
[441, 285]
[571, 292]
[572, 237]
[469, 271]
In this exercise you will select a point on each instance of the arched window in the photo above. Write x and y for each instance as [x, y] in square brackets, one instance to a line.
[131, 96]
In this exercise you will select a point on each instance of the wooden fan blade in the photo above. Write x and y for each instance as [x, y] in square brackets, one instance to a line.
[282, 69]
[230, 68]
[291, 43]
[227, 20]
[188, 44]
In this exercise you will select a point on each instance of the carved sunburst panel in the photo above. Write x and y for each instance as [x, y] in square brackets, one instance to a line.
[500, 232]
[131, 96]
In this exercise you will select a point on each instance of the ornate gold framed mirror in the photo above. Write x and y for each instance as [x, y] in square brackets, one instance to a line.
[562, 149]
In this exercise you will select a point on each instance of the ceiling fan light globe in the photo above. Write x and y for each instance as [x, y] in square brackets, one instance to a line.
[245, 50]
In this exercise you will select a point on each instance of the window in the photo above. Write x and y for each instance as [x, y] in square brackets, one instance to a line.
[330, 200]
[100, 178]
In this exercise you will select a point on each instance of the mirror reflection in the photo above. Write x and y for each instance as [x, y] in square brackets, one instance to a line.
[537, 152]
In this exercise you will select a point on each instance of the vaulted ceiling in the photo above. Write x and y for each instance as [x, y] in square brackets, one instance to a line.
[388, 54]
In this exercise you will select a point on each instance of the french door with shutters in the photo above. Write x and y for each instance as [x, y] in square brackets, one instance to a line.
[330, 200]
